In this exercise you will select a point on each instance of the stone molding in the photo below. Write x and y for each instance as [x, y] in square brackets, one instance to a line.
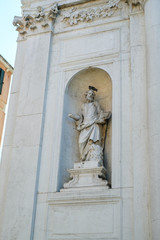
[74, 15]
[68, 3]
[101, 194]
[42, 19]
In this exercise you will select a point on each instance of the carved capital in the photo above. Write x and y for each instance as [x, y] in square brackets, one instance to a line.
[39, 20]
[137, 3]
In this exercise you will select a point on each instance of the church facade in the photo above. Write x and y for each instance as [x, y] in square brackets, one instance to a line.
[50, 189]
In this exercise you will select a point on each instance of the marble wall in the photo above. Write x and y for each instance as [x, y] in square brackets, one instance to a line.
[61, 50]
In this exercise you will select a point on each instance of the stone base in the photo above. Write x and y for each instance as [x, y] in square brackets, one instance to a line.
[87, 164]
[86, 176]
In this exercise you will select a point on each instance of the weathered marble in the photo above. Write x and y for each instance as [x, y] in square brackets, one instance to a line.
[112, 45]
[152, 23]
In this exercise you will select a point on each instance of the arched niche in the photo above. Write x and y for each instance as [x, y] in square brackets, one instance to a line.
[74, 97]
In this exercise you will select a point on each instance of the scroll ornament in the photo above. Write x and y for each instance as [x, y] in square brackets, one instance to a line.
[30, 22]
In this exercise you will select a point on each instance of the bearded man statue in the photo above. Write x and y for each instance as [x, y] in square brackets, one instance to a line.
[91, 122]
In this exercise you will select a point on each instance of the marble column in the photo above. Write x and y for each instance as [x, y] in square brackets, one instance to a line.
[152, 26]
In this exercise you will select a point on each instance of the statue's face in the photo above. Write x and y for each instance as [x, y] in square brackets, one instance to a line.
[39, 9]
[90, 95]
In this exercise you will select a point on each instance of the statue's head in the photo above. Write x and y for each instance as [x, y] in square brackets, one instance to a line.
[90, 94]
[39, 8]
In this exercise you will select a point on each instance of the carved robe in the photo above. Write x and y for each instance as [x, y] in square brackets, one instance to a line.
[91, 138]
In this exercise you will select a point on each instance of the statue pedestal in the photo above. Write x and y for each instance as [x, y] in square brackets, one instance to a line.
[86, 175]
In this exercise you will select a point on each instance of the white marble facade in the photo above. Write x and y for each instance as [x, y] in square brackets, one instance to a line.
[63, 47]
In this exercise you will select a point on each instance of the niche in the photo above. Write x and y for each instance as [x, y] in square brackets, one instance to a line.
[73, 98]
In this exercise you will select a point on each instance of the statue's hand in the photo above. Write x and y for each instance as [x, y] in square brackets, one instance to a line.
[70, 115]
[74, 117]
[109, 115]
[104, 116]
[100, 121]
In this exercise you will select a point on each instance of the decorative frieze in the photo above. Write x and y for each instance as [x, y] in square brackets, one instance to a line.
[75, 15]
[41, 18]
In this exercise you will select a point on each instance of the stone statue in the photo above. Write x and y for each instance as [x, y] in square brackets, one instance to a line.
[91, 123]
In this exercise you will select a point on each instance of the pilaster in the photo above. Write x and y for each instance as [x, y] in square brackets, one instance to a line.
[152, 27]
[140, 127]
[24, 136]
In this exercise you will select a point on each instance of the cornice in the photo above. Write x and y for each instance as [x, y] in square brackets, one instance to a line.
[68, 3]
[6, 64]
[40, 18]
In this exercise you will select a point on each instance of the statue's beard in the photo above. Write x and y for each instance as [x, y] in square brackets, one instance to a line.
[90, 99]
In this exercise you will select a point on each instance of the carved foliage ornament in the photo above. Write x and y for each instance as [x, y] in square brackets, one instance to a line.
[137, 2]
[30, 22]
[75, 16]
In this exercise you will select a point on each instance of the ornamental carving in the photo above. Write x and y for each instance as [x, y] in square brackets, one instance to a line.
[137, 2]
[40, 18]
[74, 15]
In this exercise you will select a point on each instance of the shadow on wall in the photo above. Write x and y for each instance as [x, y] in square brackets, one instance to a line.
[74, 97]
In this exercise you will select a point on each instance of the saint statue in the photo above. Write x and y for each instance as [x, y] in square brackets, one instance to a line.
[91, 123]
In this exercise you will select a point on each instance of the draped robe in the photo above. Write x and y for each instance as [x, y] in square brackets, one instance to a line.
[90, 128]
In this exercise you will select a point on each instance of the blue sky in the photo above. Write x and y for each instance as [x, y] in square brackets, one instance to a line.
[8, 34]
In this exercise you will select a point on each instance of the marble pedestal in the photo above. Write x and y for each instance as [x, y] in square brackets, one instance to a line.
[86, 174]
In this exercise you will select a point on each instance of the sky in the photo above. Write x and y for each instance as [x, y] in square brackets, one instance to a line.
[8, 34]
